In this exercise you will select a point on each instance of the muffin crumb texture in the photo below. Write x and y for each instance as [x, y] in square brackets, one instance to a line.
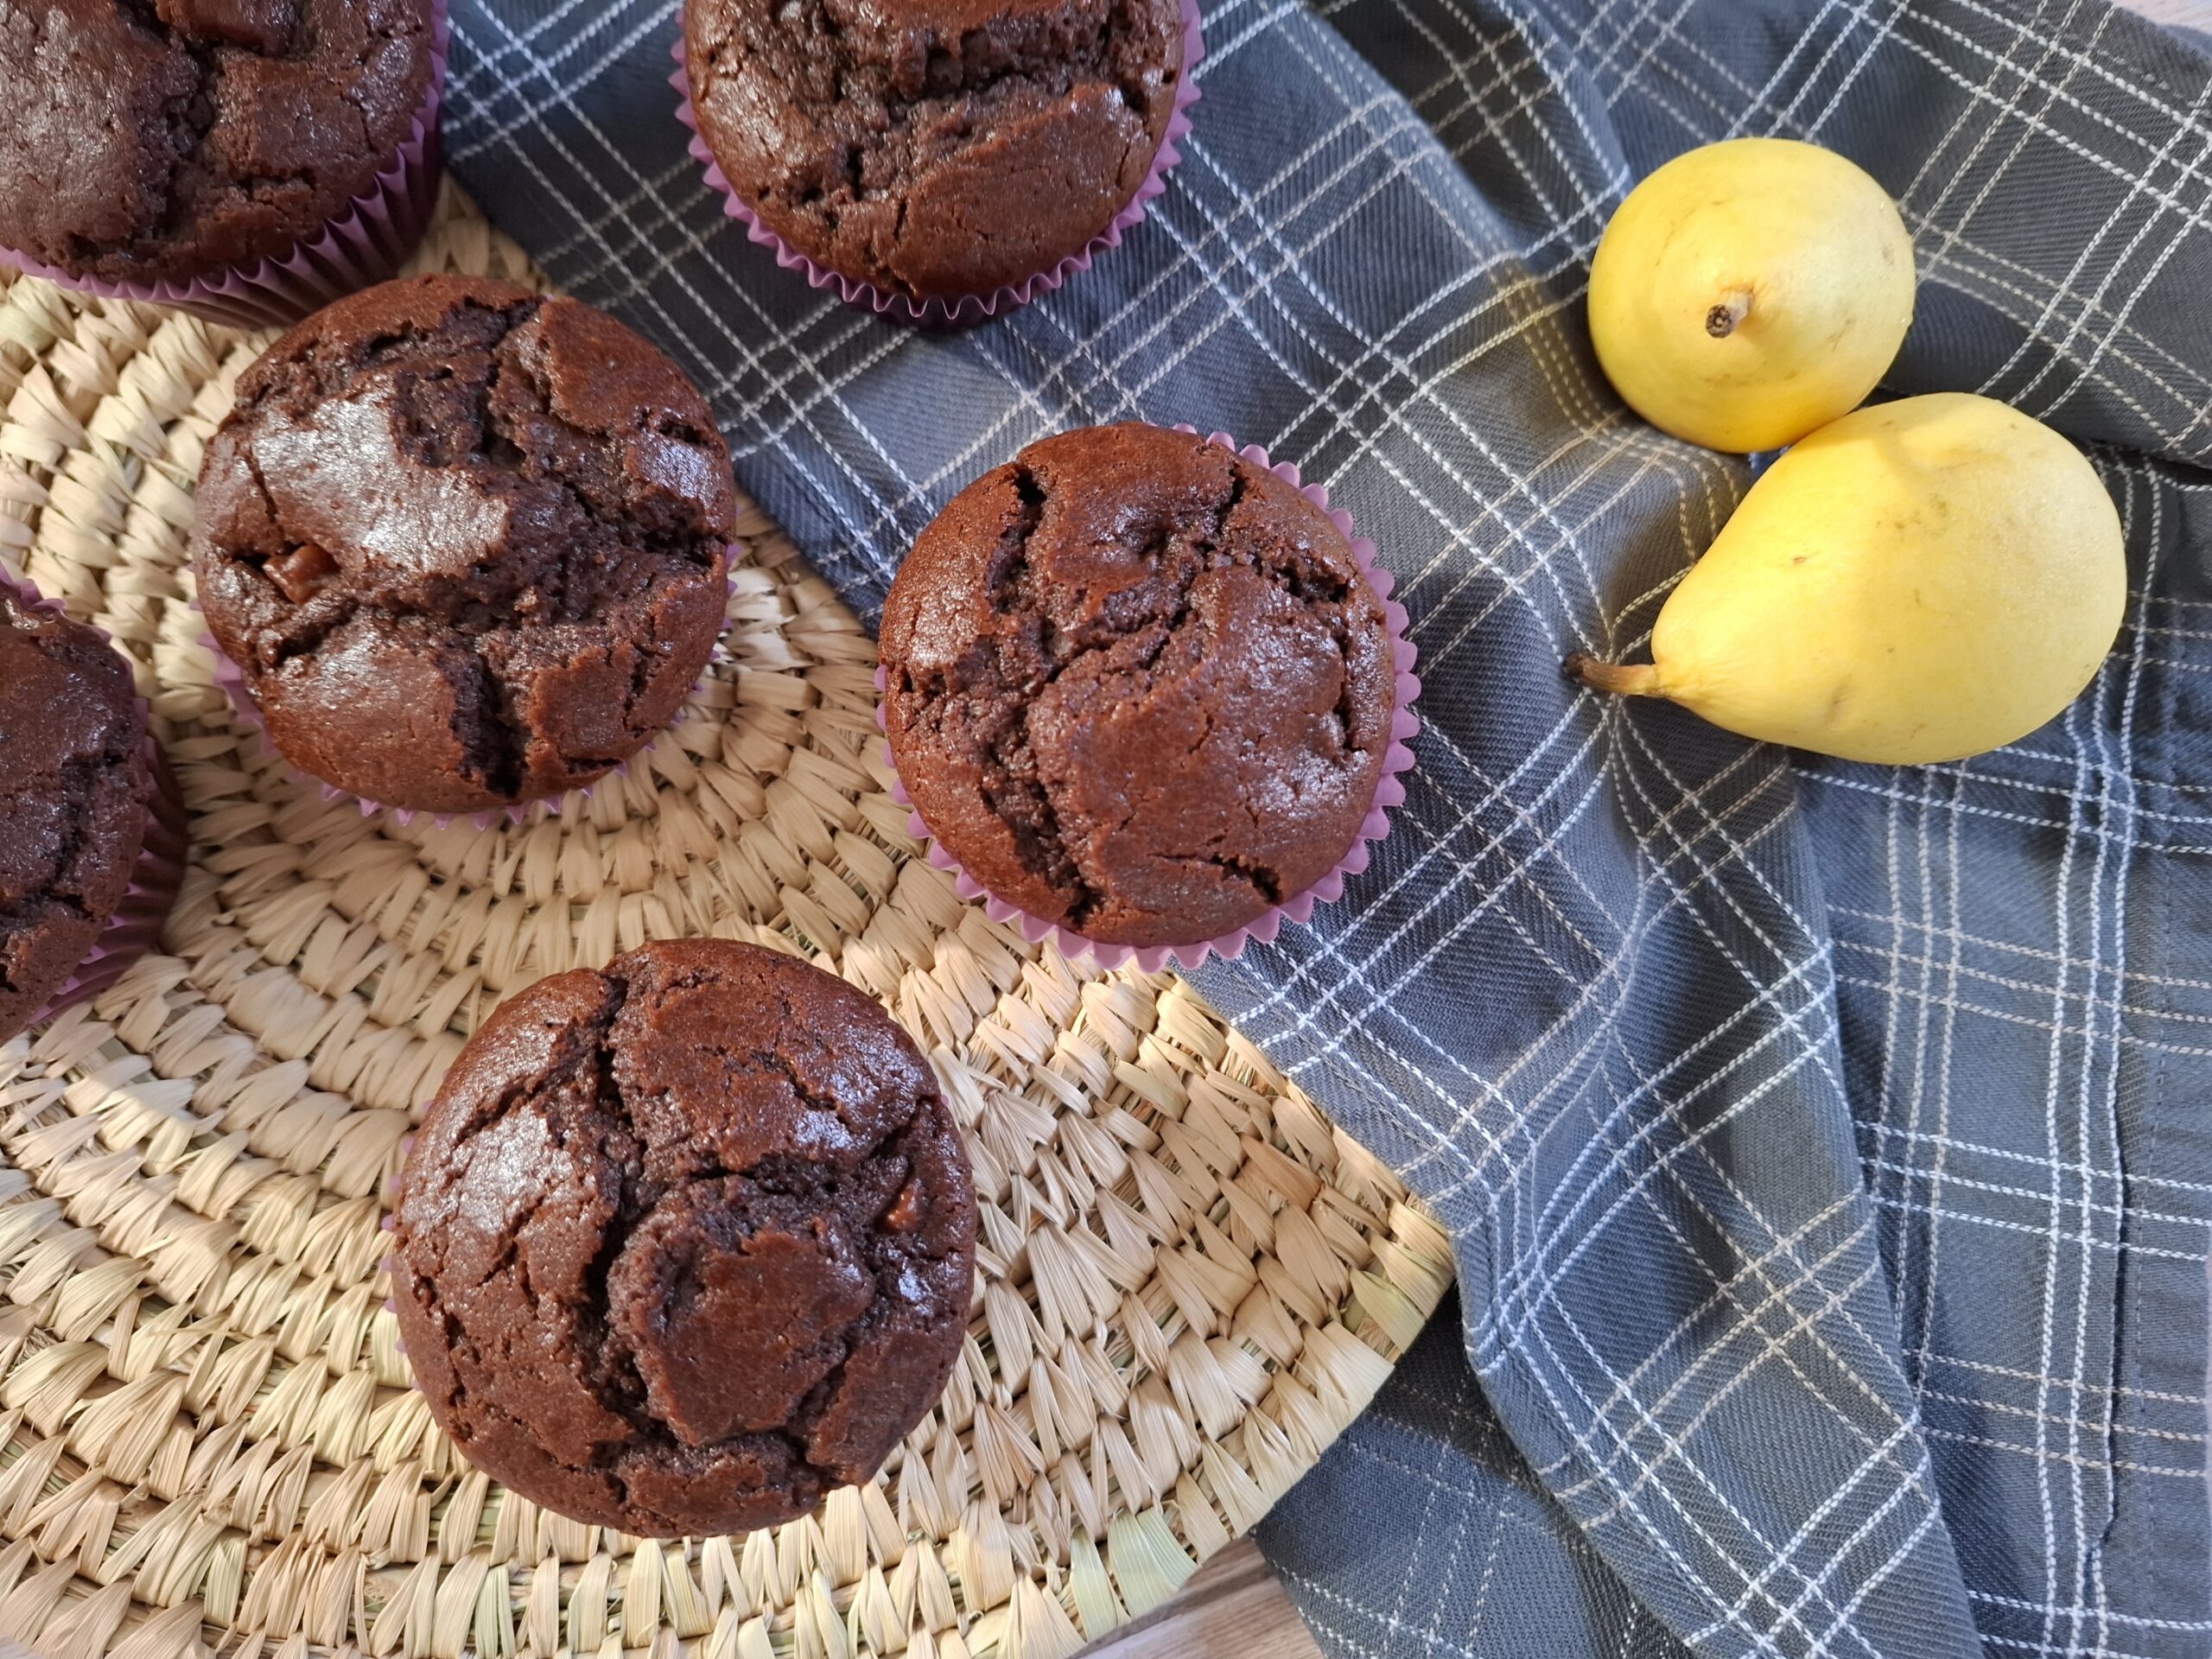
[149, 141]
[467, 544]
[1137, 686]
[940, 148]
[74, 780]
[685, 1243]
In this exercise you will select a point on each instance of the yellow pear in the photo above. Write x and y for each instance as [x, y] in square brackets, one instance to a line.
[1918, 581]
[1749, 291]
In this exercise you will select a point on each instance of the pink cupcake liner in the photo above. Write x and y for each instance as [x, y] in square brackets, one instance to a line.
[1389, 788]
[232, 678]
[367, 244]
[972, 308]
[135, 928]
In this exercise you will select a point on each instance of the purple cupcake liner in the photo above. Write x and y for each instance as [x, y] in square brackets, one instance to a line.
[389, 1220]
[135, 928]
[365, 244]
[972, 308]
[1390, 789]
[232, 679]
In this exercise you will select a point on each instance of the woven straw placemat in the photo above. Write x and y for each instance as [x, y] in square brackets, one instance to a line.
[1191, 1281]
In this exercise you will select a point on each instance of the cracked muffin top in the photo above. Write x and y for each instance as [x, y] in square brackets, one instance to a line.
[467, 544]
[1137, 685]
[934, 148]
[685, 1242]
[151, 141]
[75, 776]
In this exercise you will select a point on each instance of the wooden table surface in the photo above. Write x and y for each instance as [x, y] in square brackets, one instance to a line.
[1234, 1609]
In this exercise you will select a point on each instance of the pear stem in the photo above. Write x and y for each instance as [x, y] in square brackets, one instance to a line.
[1621, 679]
[1721, 320]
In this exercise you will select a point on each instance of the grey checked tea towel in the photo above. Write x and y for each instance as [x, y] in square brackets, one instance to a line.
[1829, 1148]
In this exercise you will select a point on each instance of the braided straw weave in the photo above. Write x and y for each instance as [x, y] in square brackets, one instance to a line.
[1191, 1281]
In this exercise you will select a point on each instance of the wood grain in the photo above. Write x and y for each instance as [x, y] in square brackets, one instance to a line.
[1234, 1609]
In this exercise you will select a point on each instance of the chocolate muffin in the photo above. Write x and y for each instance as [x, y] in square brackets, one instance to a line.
[937, 147]
[76, 775]
[151, 141]
[1137, 686]
[467, 544]
[686, 1242]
